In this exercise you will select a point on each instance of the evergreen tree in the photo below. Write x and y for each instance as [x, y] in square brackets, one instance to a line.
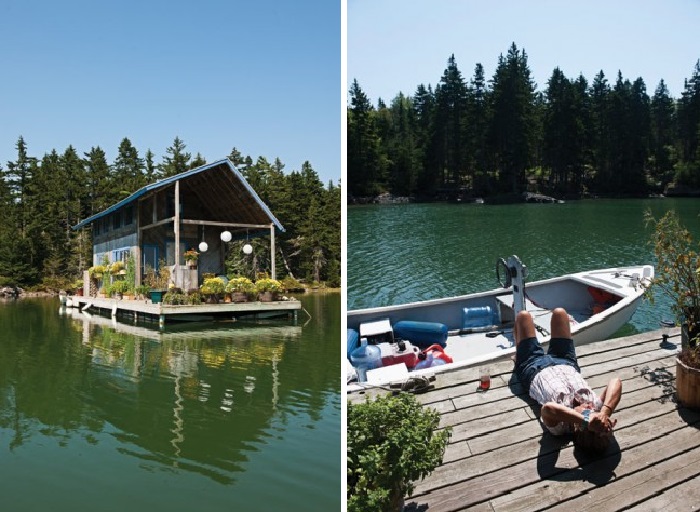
[662, 136]
[366, 175]
[178, 161]
[128, 170]
[511, 130]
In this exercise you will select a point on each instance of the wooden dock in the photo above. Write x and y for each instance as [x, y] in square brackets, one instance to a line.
[500, 459]
[160, 313]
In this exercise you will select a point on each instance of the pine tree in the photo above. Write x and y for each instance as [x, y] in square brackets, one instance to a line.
[662, 112]
[128, 170]
[178, 161]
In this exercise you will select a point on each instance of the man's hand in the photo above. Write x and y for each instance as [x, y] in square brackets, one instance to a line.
[601, 422]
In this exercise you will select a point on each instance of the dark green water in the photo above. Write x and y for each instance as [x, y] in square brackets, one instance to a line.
[409, 252]
[97, 417]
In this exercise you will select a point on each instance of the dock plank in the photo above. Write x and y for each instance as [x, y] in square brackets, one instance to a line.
[501, 459]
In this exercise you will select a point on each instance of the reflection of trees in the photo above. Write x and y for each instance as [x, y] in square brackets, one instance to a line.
[201, 400]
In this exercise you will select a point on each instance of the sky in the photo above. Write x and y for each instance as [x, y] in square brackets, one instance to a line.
[263, 76]
[395, 45]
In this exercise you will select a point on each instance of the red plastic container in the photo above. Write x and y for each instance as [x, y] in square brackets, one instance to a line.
[400, 352]
[438, 353]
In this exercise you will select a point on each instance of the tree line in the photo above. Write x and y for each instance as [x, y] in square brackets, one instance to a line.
[502, 137]
[41, 199]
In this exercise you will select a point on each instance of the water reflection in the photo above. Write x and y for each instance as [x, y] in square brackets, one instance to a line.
[198, 400]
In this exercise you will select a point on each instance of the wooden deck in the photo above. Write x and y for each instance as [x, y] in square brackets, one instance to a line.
[500, 459]
[146, 310]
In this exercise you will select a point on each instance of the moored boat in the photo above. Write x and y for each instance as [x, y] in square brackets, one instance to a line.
[476, 328]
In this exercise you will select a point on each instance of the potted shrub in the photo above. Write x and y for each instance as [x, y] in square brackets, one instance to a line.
[191, 257]
[240, 288]
[268, 289]
[392, 441]
[141, 291]
[157, 282]
[678, 278]
[213, 288]
[119, 288]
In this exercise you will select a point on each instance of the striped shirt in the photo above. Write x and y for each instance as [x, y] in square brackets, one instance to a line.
[562, 384]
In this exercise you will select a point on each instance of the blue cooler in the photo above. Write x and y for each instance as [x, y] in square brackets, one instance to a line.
[353, 341]
[484, 316]
[421, 334]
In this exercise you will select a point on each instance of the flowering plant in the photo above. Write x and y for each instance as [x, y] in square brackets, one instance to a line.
[191, 255]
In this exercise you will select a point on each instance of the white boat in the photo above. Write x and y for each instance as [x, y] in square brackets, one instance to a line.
[599, 302]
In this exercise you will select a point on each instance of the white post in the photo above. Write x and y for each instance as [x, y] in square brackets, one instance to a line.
[177, 234]
[272, 251]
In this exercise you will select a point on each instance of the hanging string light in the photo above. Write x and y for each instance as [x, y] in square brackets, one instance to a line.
[225, 236]
[247, 248]
[203, 246]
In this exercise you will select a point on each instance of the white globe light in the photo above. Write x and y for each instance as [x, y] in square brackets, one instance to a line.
[247, 248]
[226, 236]
[203, 247]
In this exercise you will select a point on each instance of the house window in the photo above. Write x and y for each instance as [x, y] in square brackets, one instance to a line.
[105, 224]
[121, 254]
[128, 215]
[96, 227]
[117, 220]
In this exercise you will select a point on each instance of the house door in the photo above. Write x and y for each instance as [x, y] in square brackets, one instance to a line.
[150, 257]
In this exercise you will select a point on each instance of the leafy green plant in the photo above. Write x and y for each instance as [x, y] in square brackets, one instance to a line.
[292, 285]
[677, 276]
[392, 441]
[175, 298]
[191, 255]
[142, 290]
[120, 286]
[194, 298]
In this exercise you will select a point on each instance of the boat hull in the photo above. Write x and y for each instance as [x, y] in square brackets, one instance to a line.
[577, 293]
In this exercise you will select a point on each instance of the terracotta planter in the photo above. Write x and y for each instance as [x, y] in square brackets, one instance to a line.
[687, 385]
[239, 297]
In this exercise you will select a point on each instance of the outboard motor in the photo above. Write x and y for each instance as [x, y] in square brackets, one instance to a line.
[515, 274]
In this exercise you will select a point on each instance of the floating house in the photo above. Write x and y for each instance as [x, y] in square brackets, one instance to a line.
[200, 208]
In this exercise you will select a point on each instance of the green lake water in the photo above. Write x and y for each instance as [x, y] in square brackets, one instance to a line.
[97, 416]
[409, 252]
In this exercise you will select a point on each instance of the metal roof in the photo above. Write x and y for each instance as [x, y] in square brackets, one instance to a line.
[249, 209]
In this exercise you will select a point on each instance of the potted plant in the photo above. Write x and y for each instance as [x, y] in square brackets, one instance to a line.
[97, 271]
[119, 288]
[392, 441]
[213, 288]
[117, 268]
[678, 278]
[191, 257]
[157, 282]
[240, 288]
[141, 291]
[268, 289]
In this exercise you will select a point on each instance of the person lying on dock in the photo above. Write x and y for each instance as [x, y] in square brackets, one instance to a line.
[554, 380]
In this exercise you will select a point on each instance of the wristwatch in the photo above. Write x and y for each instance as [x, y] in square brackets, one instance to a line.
[586, 418]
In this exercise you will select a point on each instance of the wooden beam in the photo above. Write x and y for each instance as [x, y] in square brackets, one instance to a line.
[272, 251]
[159, 223]
[177, 223]
[223, 224]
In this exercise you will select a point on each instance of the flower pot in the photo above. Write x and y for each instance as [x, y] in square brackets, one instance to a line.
[192, 264]
[239, 297]
[267, 296]
[687, 385]
[156, 296]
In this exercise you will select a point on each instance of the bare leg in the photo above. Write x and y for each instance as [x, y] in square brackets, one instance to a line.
[524, 327]
[560, 326]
